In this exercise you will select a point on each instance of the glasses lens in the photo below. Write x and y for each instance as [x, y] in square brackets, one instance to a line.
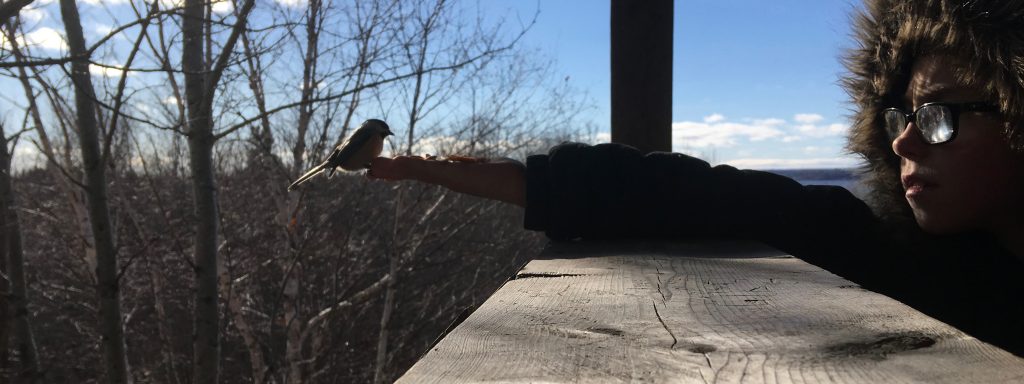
[895, 123]
[935, 123]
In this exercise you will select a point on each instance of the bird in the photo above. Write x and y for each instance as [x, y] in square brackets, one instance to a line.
[355, 154]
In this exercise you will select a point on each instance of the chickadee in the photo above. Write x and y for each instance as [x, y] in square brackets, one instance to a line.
[364, 145]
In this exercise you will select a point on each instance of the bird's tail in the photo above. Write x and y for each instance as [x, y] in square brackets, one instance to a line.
[308, 175]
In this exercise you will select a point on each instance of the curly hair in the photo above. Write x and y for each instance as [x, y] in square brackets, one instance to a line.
[985, 36]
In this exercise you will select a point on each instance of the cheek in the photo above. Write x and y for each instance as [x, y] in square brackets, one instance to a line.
[988, 186]
[982, 184]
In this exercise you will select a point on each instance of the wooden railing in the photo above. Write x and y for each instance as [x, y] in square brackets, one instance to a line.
[700, 312]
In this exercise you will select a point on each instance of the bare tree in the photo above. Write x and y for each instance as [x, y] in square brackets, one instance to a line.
[107, 271]
[13, 251]
[201, 79]
[60, 173]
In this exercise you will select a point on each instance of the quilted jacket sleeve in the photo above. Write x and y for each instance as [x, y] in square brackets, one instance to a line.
[612, 191]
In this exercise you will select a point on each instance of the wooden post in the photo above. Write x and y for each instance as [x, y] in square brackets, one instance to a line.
[642, 74]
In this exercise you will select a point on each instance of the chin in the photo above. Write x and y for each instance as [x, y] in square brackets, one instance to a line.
[937, 224]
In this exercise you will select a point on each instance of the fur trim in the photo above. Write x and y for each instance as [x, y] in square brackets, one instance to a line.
[987, 34]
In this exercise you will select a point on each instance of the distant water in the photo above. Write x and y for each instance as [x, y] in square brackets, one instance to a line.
[846, 178]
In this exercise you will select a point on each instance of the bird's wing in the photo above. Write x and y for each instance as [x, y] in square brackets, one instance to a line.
[308, 175]
[351, 147]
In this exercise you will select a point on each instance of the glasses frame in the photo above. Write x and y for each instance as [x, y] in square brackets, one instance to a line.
[955, 109]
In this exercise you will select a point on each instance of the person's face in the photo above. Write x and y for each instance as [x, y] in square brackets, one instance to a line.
[973, 182]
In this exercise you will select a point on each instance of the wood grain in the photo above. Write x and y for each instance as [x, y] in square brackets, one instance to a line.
[702, 313]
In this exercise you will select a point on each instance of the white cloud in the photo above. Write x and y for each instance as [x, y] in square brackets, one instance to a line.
[102, 29]
[812, 149]
[105, 2]
[170, 100]
[219, 6]
[26, 156]
[714, 118]
[44, 37]
[97, 70]
[293, 3]
[838, 129]
[808, 118]
[807, 129]
[722, 134]
[775, 163]
[33, 15]
[443, 146]
[223, 6]
[440, 145]
[771, 122]
[819, 131]
[791, 138]
[168, 4]
[319, 85]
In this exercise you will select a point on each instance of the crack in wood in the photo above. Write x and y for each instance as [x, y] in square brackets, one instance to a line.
[662, 321]
[661, 292]
[529, 275]
[657, 275]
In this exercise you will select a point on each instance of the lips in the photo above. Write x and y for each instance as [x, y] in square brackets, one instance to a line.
[916, 184]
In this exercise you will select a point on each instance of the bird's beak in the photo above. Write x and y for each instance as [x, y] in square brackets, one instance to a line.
[389, 133]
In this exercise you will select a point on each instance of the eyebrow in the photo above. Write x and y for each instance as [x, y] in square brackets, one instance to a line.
[935, 93]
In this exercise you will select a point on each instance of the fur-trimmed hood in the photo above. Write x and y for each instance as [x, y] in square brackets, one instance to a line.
[988, 34]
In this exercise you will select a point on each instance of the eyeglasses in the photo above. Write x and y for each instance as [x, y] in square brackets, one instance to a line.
[936, 122]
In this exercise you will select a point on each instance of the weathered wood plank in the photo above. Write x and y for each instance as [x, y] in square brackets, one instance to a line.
[692, 313]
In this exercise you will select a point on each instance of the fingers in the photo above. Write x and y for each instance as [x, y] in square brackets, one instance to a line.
[378, 168]
[398, 168]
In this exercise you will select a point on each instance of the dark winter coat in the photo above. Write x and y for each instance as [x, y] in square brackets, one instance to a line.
[612, 191]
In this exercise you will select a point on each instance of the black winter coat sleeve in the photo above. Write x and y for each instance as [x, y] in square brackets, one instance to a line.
[612, 191]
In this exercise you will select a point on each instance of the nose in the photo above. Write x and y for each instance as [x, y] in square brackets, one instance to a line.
[909, 144]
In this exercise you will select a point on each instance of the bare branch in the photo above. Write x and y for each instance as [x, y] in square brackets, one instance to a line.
[228, 49]
[11, 8]
[87, 53]
[119, 97]
[375, 84]
[356, 298]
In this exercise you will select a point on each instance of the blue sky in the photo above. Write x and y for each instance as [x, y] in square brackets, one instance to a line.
[755, 83]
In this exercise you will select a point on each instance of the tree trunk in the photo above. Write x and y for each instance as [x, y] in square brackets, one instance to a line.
[72, 194]
[308, 83]
[159, 288]
[16, 274]
[200, 86]
[206, 341]
[5, 305]
[205, 338]
[293, 324]
[95, 179]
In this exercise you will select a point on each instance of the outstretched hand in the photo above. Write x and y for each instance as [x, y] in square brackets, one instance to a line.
[502, 180]
[397, 168]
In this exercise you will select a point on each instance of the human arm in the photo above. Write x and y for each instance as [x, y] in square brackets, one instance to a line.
[502, 180]
[611, 191]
